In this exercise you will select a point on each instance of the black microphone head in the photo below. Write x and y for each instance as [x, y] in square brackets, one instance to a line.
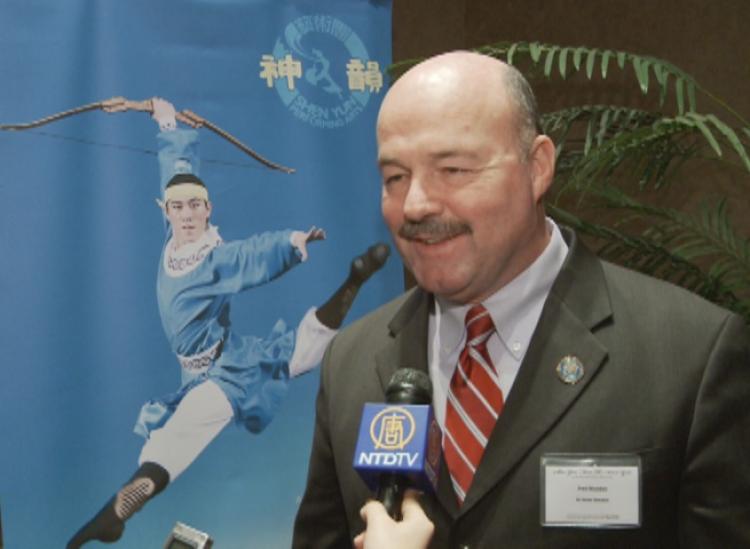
[409, 386]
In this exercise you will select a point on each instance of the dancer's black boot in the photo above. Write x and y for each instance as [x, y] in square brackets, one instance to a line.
[109, 523]
[333, 311]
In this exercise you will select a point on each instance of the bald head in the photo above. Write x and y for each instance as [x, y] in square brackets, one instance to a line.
[464, 174]
[467, 81]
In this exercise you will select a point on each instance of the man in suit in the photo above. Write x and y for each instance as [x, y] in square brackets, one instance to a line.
[588, 368]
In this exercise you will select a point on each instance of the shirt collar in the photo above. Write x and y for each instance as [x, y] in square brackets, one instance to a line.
[182, 260]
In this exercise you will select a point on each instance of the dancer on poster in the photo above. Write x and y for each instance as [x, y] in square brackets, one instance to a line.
[225, 376]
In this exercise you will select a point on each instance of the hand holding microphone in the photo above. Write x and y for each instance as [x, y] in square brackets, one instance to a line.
[414, 531]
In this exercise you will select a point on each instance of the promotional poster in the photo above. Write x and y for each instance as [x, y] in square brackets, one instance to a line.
[191, 203]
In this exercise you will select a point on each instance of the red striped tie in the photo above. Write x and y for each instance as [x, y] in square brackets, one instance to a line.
[474, 403]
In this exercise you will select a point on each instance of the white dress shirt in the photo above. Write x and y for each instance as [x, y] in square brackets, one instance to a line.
[515, 310]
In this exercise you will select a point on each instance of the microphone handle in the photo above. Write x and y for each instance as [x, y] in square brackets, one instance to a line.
[391, 490]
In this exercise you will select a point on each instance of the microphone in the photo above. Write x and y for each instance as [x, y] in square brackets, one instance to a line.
[183, 536]
[399, 442]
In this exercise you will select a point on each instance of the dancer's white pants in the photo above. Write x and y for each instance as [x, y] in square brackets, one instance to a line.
[205, 410]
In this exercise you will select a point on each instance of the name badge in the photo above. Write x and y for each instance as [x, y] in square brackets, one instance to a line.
[591, 490]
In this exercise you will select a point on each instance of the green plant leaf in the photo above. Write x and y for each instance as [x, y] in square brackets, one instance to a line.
[640, 66]
[630, 118]
[563, 62]
[616, 113]
[732, 137]
[650, 253]
[723, 224]
[535, 50]
[549, 60]
[577, 56]
[603, 127]
[605, 62]
[699, 122]
[511, 52]
[662, 77]
[621, 57]
[590, 60]
[589, 136]
[679, 89]
[660, 73]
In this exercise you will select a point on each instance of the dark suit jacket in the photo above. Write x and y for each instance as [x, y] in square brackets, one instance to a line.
[667, 377]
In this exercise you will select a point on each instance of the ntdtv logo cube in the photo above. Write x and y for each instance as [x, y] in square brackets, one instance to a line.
[398, 438]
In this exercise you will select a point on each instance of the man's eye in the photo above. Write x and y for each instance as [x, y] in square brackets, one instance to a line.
[454, 170]
[396, 178]
[456, 175]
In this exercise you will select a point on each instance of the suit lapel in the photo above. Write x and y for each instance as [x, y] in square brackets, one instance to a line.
[578, 302]
[409, 338]
[409, 349]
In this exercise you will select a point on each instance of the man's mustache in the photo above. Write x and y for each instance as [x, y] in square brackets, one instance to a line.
[433, 229]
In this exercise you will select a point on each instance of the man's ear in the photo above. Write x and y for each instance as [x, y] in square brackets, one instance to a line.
[542, 163]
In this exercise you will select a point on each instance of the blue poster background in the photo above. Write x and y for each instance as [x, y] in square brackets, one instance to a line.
[81, 236]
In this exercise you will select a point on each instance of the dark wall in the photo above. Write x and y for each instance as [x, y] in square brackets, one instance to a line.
[707, 38]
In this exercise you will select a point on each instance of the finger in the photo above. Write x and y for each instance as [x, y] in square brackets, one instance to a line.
[375, 515]
[413, 513]
[118, 99]
[365, 509]
[186, 120]
[199, 120]
[114, 104]
[410, 508]
[315, 234]
[359, 541]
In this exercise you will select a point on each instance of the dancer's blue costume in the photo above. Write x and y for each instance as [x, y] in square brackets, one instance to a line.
[194, 292]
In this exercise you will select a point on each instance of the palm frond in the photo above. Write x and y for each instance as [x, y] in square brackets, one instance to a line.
[643, 152]
[598, 62]
[611, 137]
[706, 235]
[650, 255]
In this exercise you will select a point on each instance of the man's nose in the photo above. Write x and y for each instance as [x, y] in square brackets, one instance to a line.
[421, 200]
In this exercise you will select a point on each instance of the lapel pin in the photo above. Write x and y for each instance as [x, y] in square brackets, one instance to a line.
[570, 370]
